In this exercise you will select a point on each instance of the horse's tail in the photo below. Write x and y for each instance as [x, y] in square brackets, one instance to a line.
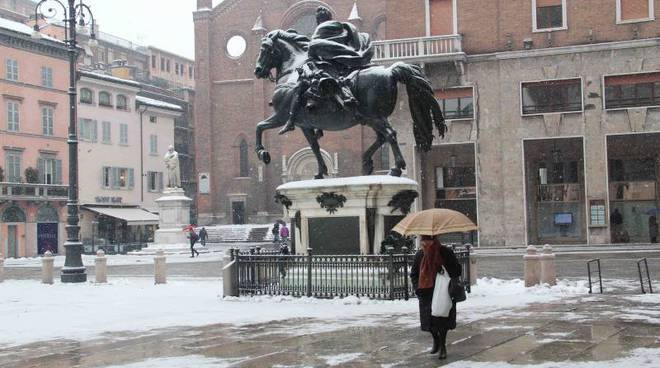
[424, 107]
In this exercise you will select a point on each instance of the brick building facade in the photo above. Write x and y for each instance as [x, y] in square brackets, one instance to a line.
[544, 101]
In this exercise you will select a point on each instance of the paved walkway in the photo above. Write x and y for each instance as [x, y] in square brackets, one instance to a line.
[585, 328]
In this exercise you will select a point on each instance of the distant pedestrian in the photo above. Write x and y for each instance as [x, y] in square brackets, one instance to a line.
[284, 250]
[284, 233]
[192, 235]
[616, 222]
[653, 229]
[276, 232]
[428, 263]
[203, 235]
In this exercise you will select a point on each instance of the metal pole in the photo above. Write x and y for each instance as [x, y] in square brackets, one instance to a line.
[73, 270]
[309, 272]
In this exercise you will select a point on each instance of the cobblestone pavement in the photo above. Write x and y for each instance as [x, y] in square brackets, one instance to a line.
[585, 328]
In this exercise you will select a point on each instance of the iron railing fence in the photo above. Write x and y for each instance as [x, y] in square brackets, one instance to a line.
[590, 270]
[385, 276]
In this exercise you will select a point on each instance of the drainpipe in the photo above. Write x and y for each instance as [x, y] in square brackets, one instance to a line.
[142, 109]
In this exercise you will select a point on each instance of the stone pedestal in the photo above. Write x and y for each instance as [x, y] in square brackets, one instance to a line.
[346, 215]
[174, 215]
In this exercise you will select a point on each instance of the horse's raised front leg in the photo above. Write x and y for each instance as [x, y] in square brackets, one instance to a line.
[271, 123]
[383, 127]
[367, 161]
[310, 134]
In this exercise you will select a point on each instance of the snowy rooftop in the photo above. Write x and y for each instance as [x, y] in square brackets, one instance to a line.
[23, 28]
[158, 103]
[356, 180]
[110, 78]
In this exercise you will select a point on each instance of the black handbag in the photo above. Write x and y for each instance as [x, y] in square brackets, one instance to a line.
[457, 290]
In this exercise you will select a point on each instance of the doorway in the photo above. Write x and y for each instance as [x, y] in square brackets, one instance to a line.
[238, 213]
[12, 241]
[47, 237]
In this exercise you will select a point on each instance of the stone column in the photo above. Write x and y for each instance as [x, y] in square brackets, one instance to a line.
[160, 268]
[532, 267]
[47, 268]
[547, 260]
[2, 268]
[101, 267]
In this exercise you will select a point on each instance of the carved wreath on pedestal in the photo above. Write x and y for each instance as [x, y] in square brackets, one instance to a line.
[331, 201]
[403, 200]
[283, 200]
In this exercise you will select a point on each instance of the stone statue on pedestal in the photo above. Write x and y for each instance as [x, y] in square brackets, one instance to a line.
[172, 164]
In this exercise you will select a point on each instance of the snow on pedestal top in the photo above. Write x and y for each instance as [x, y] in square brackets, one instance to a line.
[351, 181]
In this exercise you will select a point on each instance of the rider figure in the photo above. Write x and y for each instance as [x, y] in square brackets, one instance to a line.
[336, 50]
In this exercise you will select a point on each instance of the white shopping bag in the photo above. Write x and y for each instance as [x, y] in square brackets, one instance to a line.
[441, 303]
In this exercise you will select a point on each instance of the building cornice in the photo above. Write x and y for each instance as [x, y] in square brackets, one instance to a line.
[28, 85]
[565, 50]
[24, 42]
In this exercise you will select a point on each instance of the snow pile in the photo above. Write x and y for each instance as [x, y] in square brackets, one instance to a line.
[339, 359]
[31, 311]
[638, 358]
[197, 361]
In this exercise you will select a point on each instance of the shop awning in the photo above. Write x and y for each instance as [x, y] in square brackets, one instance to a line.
[132, 216]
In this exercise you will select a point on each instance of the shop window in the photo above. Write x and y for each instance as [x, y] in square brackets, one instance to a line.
[549, 14]
[552, 96]
[456, 103]
[630, 11]
[635, 90]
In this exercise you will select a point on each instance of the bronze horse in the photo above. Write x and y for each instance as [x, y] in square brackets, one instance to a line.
[374, 87]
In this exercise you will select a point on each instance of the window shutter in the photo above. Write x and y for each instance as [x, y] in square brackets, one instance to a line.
[131, 178]
[115, 177]
[58, 172]
[103, 176]
[41, 167]
[160, 181]
[94, 130]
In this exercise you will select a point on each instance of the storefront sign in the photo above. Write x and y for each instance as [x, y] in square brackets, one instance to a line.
[108, 199]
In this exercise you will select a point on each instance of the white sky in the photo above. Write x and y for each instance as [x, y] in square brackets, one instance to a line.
[166, 24]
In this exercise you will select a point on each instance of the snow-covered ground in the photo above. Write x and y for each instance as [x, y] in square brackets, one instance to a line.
[31, 311]
[638, 358]
[120, 259]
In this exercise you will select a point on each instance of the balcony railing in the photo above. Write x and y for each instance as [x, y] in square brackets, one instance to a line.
[23, 191]
[419, 49]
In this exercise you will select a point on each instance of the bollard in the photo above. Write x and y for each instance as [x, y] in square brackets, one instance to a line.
[532, 267]
[2, 268]
[160, 268]
[47, 268]
[101, 267]
[474, 274]
[547, 260]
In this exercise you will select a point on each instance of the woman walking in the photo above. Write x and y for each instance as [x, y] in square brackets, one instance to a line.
[429, 261]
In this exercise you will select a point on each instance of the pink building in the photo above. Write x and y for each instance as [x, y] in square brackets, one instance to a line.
[33, 147]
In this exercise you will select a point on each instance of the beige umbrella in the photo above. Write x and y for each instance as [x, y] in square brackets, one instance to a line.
[434, 222]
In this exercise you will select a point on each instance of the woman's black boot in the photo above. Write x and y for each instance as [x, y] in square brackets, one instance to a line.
[443, 352]
[436, 343]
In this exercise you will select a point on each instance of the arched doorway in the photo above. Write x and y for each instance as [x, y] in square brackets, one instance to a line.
[13, 225]
[47, 229]
[302, 165]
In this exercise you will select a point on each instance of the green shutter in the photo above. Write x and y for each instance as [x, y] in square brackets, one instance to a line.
[58, 172]
[131, 178]
[94, 130]
[160, 181]
[41, 167]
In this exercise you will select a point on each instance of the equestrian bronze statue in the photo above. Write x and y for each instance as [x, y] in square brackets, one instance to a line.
[329, 84]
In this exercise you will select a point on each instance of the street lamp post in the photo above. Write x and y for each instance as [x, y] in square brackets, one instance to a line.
[74, 14]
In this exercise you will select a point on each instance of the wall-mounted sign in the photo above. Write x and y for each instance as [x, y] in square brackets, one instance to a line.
[204, 183]
[597, 213]
[101, 199]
